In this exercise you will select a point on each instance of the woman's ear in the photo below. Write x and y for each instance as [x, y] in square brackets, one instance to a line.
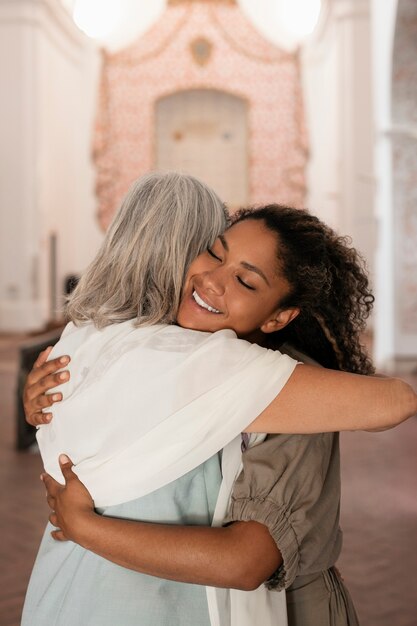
[279, 320]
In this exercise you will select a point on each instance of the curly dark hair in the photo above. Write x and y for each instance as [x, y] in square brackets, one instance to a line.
[328, 283]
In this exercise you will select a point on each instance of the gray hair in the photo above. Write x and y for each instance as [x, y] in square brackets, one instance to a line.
[165, 221]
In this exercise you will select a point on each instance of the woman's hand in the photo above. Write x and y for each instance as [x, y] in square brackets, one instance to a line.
[43, 377]
[72, 505]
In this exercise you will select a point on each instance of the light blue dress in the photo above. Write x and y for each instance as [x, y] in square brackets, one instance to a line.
[71, 586]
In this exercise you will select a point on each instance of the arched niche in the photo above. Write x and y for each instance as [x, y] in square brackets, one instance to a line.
[204, 132]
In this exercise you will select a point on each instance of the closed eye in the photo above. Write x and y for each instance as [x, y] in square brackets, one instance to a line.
[242, 282]
[211, 253]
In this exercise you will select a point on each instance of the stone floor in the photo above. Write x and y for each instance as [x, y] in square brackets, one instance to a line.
[379, 514]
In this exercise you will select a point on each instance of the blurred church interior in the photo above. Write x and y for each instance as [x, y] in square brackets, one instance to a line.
[304, 102]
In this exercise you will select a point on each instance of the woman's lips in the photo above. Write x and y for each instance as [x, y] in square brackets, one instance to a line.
[203, 304]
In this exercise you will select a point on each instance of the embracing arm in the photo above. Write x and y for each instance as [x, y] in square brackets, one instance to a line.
[317, 400]
[314, 399]
[242, 555]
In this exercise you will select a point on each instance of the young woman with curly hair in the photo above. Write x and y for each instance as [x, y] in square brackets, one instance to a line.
[329, 286]
[271, 268]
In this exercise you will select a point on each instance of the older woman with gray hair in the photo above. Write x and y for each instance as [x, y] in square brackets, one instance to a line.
[150, 404]
[165, 222]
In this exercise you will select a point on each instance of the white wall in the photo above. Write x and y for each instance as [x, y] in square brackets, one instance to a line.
[394, 343]
[338, 100]
[48, 83]
[320, 72]
[347, 71]
[383, 26]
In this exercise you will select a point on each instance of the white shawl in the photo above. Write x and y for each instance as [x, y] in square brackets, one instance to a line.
[146, 405]
[232, 607]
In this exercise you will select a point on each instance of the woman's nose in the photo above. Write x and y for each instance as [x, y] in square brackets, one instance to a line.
[214, 281]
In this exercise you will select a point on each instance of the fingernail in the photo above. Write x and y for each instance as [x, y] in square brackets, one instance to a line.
[41, 477]
[63, 459]
[64, 359]
[48, 417]
[56, 397]
[63, 376]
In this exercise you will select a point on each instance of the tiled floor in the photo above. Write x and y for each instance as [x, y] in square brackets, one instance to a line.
[379, 515]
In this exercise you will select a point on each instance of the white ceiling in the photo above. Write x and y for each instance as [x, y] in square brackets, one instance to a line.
[123, 21]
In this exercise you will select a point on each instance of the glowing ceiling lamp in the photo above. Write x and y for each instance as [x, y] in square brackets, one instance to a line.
[96, 18]
[299, 17]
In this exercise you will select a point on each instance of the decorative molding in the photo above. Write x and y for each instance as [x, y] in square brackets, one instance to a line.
[125, 57]
[201, 49]
[276, 54]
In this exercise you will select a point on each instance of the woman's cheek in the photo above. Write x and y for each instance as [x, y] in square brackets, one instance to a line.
[241, 317]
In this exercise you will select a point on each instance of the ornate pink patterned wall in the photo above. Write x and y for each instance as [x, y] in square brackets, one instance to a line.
[237, 60]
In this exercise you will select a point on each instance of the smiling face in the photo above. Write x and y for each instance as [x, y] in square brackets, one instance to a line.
[237, 284]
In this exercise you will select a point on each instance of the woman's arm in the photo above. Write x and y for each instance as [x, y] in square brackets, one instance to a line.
[241, 556]
[316, 399]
